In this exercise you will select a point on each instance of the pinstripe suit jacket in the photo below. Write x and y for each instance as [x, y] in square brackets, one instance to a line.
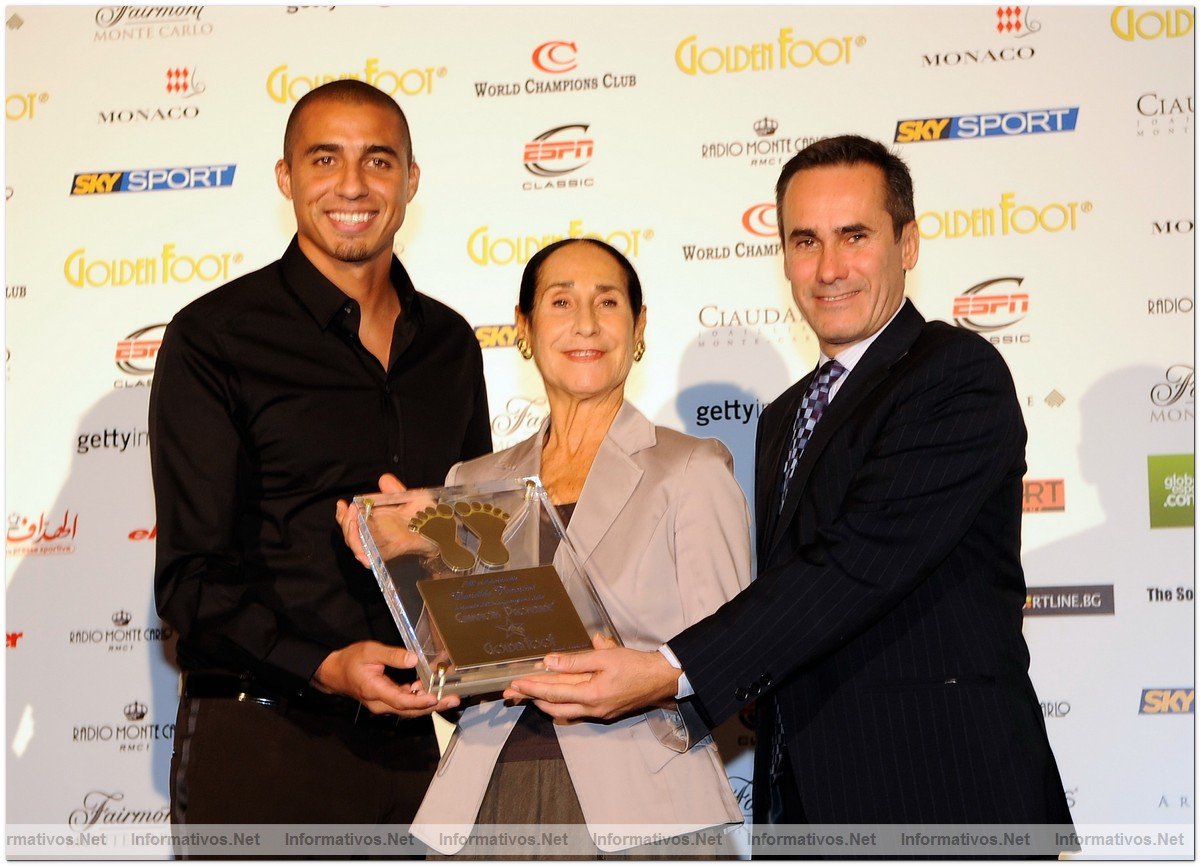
[885, 623]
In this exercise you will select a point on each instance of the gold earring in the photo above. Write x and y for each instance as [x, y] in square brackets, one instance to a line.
[639, 349]
[524, 348]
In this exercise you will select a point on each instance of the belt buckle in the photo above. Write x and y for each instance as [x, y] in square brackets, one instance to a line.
[247, 698]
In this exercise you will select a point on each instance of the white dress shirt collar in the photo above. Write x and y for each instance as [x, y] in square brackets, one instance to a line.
[849, 357]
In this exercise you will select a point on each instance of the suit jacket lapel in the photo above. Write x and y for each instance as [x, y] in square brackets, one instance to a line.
[874, 366]
[611, 481]
[770, 465]
[525, 458]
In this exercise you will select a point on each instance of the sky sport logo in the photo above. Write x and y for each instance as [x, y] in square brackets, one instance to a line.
[1168, 700]
[1029, 122]
[496, 336]
[153, 179]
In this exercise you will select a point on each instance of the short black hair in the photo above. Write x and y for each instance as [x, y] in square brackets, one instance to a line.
[348, 90]
[530, 276]
[854, 150]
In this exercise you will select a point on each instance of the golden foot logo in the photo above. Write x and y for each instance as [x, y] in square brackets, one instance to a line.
[84, 270]
[787, 52]
[1130, 24]
[1010, 218]
[487, 523]
[438, 525]
[23, 106]
[284, 86]
[485, 248]
[483, 520]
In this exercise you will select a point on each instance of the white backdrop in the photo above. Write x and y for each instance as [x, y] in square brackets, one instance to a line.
[1065, 234]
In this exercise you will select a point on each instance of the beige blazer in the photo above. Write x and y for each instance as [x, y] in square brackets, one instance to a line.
[664, 532]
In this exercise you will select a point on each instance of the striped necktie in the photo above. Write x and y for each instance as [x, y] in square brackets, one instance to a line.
[812, 407]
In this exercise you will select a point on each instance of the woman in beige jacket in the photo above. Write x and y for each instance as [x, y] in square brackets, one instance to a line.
[662, 529]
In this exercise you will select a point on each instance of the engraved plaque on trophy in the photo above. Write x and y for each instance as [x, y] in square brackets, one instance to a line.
[481, 581]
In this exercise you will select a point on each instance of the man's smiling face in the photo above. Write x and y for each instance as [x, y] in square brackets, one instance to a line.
[349, 179]
[841, 254]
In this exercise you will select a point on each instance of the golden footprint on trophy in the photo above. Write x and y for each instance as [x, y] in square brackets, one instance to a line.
[487, 522]
[438, 525]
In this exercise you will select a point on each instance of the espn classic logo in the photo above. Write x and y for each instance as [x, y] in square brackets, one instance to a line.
[1029, 122]
[153, 179]
[559, 151]
[983, 309]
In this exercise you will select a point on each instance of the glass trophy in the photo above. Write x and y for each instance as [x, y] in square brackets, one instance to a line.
[481, 581]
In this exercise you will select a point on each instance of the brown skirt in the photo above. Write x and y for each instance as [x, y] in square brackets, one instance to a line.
[540, 792]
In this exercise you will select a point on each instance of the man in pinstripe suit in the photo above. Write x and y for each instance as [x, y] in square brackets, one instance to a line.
[882, 637]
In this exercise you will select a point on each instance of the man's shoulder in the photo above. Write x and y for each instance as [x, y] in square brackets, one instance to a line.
[440, 316]
[937, 332]
[947, 362]
[232, 300]
[949, 345]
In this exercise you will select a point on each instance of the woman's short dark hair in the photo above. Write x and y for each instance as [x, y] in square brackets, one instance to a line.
[530, 277]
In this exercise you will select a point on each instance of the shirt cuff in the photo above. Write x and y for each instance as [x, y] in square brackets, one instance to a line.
[685, 687]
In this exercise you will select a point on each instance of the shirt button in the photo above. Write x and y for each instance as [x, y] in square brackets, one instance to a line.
[395, 458]
[349, 308]
[741, 694]
[387, 389]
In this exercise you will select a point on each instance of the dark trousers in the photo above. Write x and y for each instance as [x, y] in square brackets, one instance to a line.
[786, 807]
[239, 762]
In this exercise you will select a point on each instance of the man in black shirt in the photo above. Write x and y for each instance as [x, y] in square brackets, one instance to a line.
[275, 396]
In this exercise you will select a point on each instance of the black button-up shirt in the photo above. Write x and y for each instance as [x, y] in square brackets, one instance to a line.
[266, 409]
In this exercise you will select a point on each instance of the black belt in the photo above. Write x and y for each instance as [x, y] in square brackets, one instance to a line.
[248, 690]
